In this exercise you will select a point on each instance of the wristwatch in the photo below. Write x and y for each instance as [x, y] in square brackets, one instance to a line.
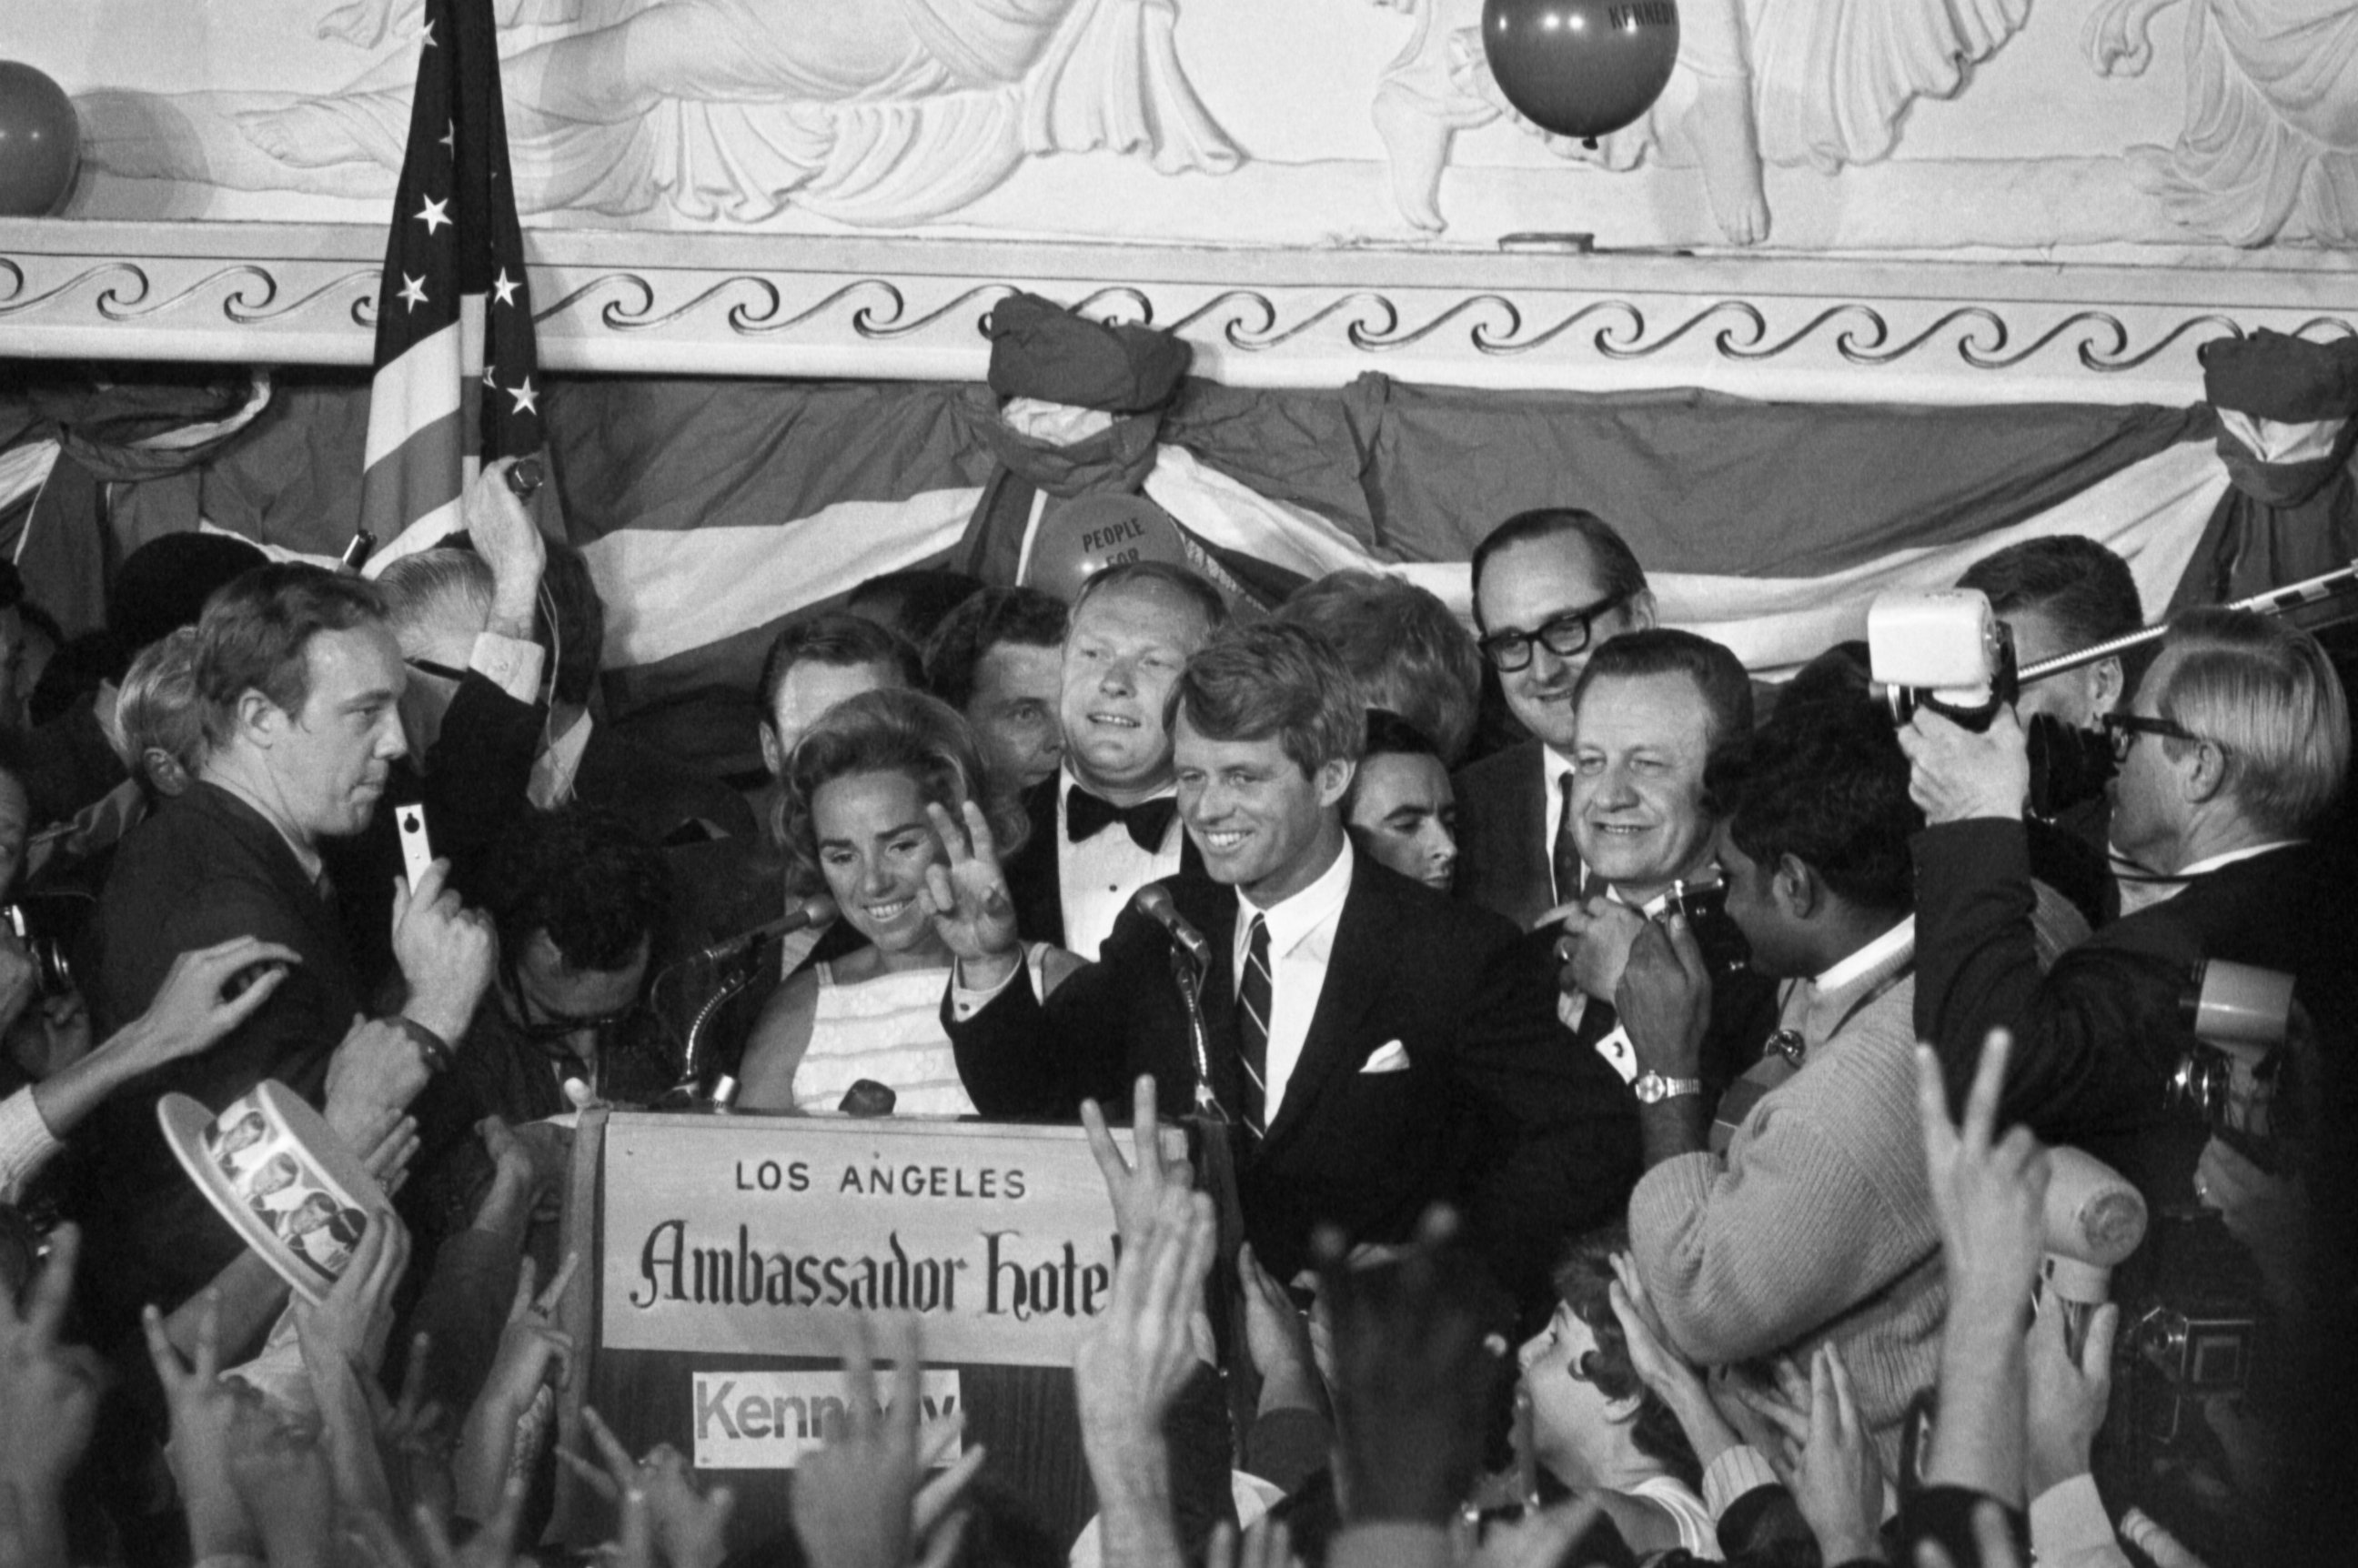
[1652, 1088]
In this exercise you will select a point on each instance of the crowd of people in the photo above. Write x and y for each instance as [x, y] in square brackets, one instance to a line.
[1772, 1072]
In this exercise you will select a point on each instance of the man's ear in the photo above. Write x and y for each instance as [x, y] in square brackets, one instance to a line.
[774, 754]
[1642, 613]
[2106, 681]
[164, 771]
[2204, 777]
[1796, 888]
[1334, 779]
[259, 719]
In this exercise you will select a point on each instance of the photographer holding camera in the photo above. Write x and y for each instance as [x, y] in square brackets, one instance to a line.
[2231, 754]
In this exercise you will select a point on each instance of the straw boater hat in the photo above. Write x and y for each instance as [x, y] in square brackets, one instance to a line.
[266, 1159]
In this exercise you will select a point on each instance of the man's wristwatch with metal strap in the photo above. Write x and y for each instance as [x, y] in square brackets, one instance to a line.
[1652, 1088]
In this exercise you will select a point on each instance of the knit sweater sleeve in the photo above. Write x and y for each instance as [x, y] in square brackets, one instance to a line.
[1819, 1204]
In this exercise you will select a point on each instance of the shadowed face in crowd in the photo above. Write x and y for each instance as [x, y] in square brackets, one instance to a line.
[1017, 691]
[2079, 697]
[1264, 823]
[1122, 656]
[1637, 793]
[874, 844]
[551, 992]
[2151, 808]
[1574, 1424]
[1406, 816]
[808, 690]
[1525, 587]
[327, 765]
[15, 821]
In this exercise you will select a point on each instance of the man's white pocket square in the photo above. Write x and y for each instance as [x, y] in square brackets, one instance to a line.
[1390, 1058]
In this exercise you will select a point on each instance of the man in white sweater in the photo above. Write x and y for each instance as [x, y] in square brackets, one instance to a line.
[1801, 1215]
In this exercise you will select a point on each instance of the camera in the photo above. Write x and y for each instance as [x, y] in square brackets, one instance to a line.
[1947, 653]
[1944, 652]
[1704, 905]
[46, 946]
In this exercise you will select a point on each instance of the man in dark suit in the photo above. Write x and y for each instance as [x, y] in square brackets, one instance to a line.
[1107, 823]
[1654, 705]
[2231, 755]
[301, 678]
[1549, 587]
[1380, 1045]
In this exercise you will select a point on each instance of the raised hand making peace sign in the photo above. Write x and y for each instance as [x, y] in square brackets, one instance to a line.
[965, 894]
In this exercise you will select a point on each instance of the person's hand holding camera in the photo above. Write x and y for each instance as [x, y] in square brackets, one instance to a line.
[2066, 1398]
[446, 951]
[499, 526]
[1956, 775]
[1664, 997]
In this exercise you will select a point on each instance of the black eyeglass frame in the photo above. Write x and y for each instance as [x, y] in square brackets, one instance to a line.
[2123, 729]
[1562, 636]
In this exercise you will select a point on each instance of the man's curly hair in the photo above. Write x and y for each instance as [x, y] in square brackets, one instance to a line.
[585, 876]
[1584, 1280]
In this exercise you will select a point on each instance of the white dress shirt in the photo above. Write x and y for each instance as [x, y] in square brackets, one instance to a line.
[1099, 877]
[1301, 942]
[2136, 893]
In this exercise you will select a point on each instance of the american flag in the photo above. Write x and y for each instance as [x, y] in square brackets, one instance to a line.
[456, 382]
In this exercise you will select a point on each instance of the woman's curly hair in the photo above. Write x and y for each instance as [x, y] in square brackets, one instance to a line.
[895, 732]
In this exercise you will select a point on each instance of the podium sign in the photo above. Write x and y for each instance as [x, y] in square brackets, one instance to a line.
[770, 1236]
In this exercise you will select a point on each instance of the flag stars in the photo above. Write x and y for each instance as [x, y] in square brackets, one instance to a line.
[435, 215]
[490, 380]
[527, 399]
[429, 34]
[450, 136]
[413, 290]
[503, 288]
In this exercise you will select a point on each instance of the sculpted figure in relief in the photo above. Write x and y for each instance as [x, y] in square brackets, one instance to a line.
[2269, 150]
[1821, 82]
[879, 112]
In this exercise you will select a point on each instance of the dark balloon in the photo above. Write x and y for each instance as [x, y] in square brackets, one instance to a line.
[39, 143]
[1581, 68]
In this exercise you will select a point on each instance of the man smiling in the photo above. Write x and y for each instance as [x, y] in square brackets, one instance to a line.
[1381, 1047]
[1550, 588]
[1106, 824]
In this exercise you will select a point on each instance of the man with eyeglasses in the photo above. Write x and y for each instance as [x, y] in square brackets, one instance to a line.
[2231, 754]
[1549, 586]
[581, 902]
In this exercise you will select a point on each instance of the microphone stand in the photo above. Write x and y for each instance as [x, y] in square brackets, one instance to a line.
[1216, 1160]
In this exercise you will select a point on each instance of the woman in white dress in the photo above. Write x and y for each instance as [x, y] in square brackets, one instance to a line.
[854, 827]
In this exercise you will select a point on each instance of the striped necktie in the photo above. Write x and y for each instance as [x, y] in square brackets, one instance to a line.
[1254, 990]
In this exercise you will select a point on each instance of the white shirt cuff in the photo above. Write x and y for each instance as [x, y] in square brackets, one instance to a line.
[509, 663]
[966, 1001]
[2069, 1525]
[1737, 1471]
[26, 1142]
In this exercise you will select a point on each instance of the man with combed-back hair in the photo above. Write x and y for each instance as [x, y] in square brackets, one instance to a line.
[1382, 1045]
[2235, 747]
[1407, 651]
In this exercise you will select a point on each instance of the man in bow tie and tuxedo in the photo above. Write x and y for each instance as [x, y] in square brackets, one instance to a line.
[1107, 824]
[1380, 1045]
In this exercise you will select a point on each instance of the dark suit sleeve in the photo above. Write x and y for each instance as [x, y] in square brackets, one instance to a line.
[479, 769]
[2090, 1036]
[1002, 1054]
[1019, 1058]
[1556, 1150]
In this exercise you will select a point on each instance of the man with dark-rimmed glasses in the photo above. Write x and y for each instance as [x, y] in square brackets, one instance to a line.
[2231, 756]
[1549, 586]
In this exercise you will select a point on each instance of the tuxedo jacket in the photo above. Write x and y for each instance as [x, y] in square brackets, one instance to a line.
[1494, 1111]
[1505, 861]
[1034, 884]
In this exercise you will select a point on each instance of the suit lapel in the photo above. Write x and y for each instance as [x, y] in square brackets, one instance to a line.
[1034, 880]
[1354, 980]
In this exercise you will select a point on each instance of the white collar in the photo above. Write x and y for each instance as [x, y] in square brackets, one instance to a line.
[1066, 783]
[1553, 766]
[1291, 919]
[1899, 939]
[2232, 856]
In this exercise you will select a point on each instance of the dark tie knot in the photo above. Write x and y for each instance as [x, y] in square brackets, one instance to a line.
[1087, 816]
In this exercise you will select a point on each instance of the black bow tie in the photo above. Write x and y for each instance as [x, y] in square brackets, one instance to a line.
[1087, 816]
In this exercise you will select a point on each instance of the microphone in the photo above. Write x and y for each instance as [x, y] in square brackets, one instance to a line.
[1153, 900]
[817, 910]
